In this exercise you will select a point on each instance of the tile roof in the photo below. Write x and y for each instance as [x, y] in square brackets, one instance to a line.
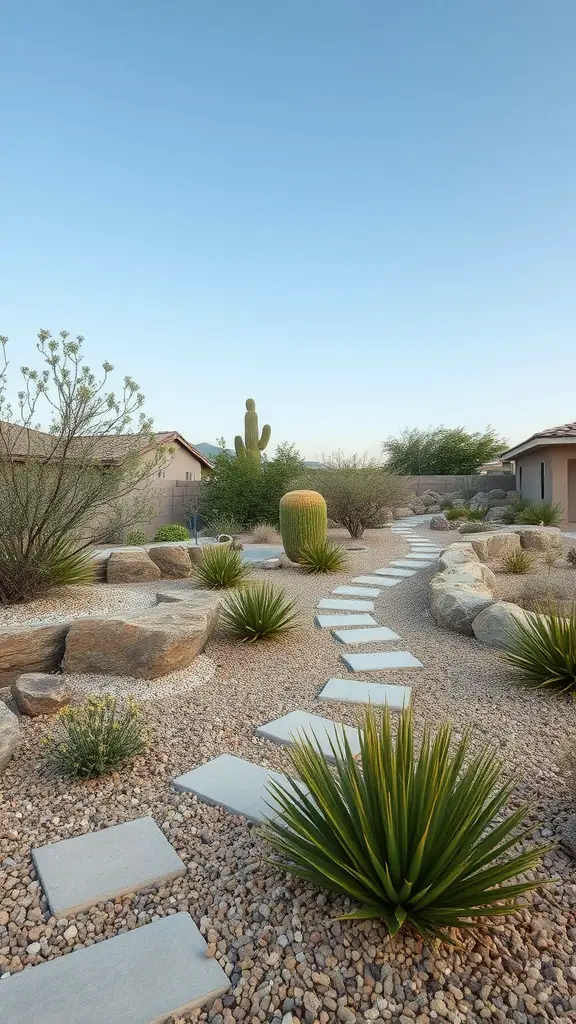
[565, 430]
[24, 442]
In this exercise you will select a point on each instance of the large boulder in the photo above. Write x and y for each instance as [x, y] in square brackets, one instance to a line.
[173, 561]
[131, 567]
[497, 493]
[539, 538]
[454, 606]
[439, 523]
[495, 545]
[194, 552]
[493, 625]
[418, 507]
[429, 498]
[9, 734]
[25, 648]
[145, 644]
[471, 572]
[456, 554]
[496, 514]
[37, 693]
[402, 512]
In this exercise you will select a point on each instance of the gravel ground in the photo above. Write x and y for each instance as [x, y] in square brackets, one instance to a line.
[277, 938]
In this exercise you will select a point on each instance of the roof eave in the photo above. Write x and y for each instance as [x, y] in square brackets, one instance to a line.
[535, 442]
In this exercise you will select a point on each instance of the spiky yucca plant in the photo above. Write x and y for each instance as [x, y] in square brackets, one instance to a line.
[323, 556]
[517, 561]
[258, 613]
[415, 841]
[51, 563]
[543, 649]
[220, 566]
[540, 513]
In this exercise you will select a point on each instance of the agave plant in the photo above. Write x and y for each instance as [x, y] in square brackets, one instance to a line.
[517, 562]
[543, 649]
[52, 563]
[420, 842]
[258, 613]
[540, 513]
[219, 567]
[322, 556]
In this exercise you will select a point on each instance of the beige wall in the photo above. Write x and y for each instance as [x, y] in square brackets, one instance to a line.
[559, 476]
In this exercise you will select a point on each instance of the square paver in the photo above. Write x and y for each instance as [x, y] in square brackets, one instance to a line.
[376, 635]
[374, 661]
[98, 866]
[234, 784]
[417, 556]
[351, 591]
[340, 604]
[350, 691]
[323, 731]
[329, 621]
[148, 975]
[403, 563]
[377, 581]
[391, 571]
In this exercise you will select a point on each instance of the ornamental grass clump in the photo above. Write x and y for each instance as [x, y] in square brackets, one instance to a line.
[418, 840]
[517, 562]
[543, 649]
[94, 738]
[323, 556]
[540, 513]
[220, 567]
[258, 613]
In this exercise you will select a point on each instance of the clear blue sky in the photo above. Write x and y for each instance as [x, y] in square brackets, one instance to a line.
[359, 212]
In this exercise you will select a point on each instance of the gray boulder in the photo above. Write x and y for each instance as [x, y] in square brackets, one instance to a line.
[497, 493]
[456, 554]
[429, 498]
[131, 567]
[37, 693]
[493, 625]
[9, 734]
[454, 606]
[494, 545]
[471, 572]
[439, 523]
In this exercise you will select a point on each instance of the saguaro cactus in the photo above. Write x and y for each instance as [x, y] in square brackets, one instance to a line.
[252, 444]
[303, 519]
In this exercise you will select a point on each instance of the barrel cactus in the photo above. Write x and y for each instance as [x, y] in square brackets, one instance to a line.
[303, 520]
[252, 444]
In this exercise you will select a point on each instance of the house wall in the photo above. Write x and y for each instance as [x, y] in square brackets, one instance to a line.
[558, 485]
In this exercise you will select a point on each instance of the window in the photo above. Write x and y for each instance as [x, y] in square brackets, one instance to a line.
[161, 475]
[542, 480]
[188, 474]
[520, 479]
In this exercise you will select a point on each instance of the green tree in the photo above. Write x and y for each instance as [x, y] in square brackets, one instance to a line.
[248, 491]
[441, 450]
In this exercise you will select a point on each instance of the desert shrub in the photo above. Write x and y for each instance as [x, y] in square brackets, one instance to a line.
[456, 513]
[517, 561]
[358, 492]
[94, 738]
[322, 556]
[222, 524]
[247, 491]
[513, 510]
[543, 649]
[477, 515]
[136, 538]
[543, 593]
[475, 527]
[264, 533]
[540, 513]
[219, 567]
[258, 613]
[171, 531]
[49, 563]
[571, 557]
[419, 841]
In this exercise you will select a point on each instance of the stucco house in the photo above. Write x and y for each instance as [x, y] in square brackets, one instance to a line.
[546, 467]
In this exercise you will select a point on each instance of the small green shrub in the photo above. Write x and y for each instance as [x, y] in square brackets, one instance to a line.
[171, 531]
[457, 513]
[475, 528]
[571, 557]
[220, 567]
[540, 513]
[136, 538]
[94, 738]
[477, 515]
[323, 556]
[517, 562]
[217, 525]
[419, 841]
[264, 533]
[258, 613]
[543, 649]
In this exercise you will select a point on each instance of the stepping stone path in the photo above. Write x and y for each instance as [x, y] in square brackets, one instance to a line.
[403, 563]
[341, 604]
[400, 573]
[377, 581]
[357, 591]
[421, 557]
[322, 731]
[148, 975]
[375, 661]
[99, 866]
[352, 691]
[328, 621]
[379, 634]
[237, 785]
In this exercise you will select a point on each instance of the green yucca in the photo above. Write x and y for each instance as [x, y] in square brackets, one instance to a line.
[94, 738]
[48, 564]
[517, 561]
[543, 649]
[540, 513]
[414, 841]
[322, 556]
[219, 567]
[258, 612]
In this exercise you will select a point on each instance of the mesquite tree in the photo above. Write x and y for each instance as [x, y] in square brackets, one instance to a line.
[62, 486]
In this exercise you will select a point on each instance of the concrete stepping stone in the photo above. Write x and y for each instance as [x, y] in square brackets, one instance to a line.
[352, 691]
[403, 563]
[419, 556]
[341, 605]
[374, 635]
[98, 866]
[329, 621]
[234, 784]
[357, 591]
[287, 729]
[148, 975]
[391, 571]
[374, 661]
[377, 581]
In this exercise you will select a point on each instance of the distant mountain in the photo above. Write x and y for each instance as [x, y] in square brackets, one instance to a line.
[210, 451]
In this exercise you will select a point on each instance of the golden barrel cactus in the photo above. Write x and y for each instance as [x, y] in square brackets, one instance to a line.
[303, 520]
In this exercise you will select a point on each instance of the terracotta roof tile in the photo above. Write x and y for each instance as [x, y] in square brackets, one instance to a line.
[565, 430]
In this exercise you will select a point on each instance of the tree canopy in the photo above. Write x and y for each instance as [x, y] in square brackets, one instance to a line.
[452, 451]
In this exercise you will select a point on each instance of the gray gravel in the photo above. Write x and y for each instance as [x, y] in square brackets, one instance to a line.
[276, 937]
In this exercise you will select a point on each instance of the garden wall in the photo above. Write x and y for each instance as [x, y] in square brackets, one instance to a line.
[175, 496]
[443, 484]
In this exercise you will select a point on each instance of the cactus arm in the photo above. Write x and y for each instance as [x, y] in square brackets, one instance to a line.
[265, 436]
[239, 446]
